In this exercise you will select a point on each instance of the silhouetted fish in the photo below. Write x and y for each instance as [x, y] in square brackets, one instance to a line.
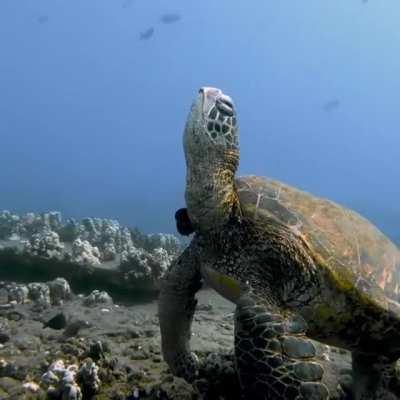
[147, 34]
[331, 105]
[42, 19]
[58, 322]
[170, 18]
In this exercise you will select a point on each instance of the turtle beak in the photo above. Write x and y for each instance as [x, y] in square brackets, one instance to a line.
[215, 96]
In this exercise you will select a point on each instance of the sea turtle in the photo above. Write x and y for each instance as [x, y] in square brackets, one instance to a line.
[296, 266]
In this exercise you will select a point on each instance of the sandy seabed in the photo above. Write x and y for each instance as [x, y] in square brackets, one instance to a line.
[124, 343]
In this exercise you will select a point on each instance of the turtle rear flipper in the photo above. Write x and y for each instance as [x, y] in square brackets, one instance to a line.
[274, 358]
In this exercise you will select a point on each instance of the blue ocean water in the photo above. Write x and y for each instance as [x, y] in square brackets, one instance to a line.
[94, 96]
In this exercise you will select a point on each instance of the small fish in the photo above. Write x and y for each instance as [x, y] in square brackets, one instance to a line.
[147, 34]
[170, 18]
[331, 105]
[58, 322]
[42, 19]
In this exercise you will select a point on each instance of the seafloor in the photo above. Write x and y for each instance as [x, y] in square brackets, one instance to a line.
[120, 345]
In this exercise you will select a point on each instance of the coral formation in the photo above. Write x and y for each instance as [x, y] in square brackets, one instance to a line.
[91, 242]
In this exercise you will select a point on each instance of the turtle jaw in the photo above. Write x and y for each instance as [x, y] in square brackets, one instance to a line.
[212, 155]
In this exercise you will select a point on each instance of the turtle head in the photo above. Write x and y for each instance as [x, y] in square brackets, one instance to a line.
[211, 126]
[211, 144]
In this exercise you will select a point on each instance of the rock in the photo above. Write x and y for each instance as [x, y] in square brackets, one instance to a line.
[97, 350]
[136, 353]
[4, 324]
[5, 368]
[69, 388]
[137, 263]
[74, 327]
[72, 349]
[11, 370]
[15, 226]
[59, 321]
[32, 387]
[88, 377]
[133, 333]
[97, 297]
[60, 381]
[4, 337]
[109, 252]
[50, 378]
[60, 291]
[91, 242]
[8, 224]
[26, 342]
[45, 244]
[14, 316]
[84, 253]
[12, 387]
[149, 333]
[18, 293]
[39, 293]
[178, 389]
[165, 241]
[53, 220]
[3, 296]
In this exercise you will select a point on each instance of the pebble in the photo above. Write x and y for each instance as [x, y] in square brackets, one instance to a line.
[31, 386]
[11, 385]
[133, 333]
[149, 333]
[4, 337]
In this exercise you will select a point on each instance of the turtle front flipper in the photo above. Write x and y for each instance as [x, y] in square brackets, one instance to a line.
[176, 308]
[274, 358]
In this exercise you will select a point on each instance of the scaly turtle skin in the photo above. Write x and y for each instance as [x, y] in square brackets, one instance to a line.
[296, 266]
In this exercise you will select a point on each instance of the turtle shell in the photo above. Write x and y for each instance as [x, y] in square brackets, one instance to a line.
[348, 244]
